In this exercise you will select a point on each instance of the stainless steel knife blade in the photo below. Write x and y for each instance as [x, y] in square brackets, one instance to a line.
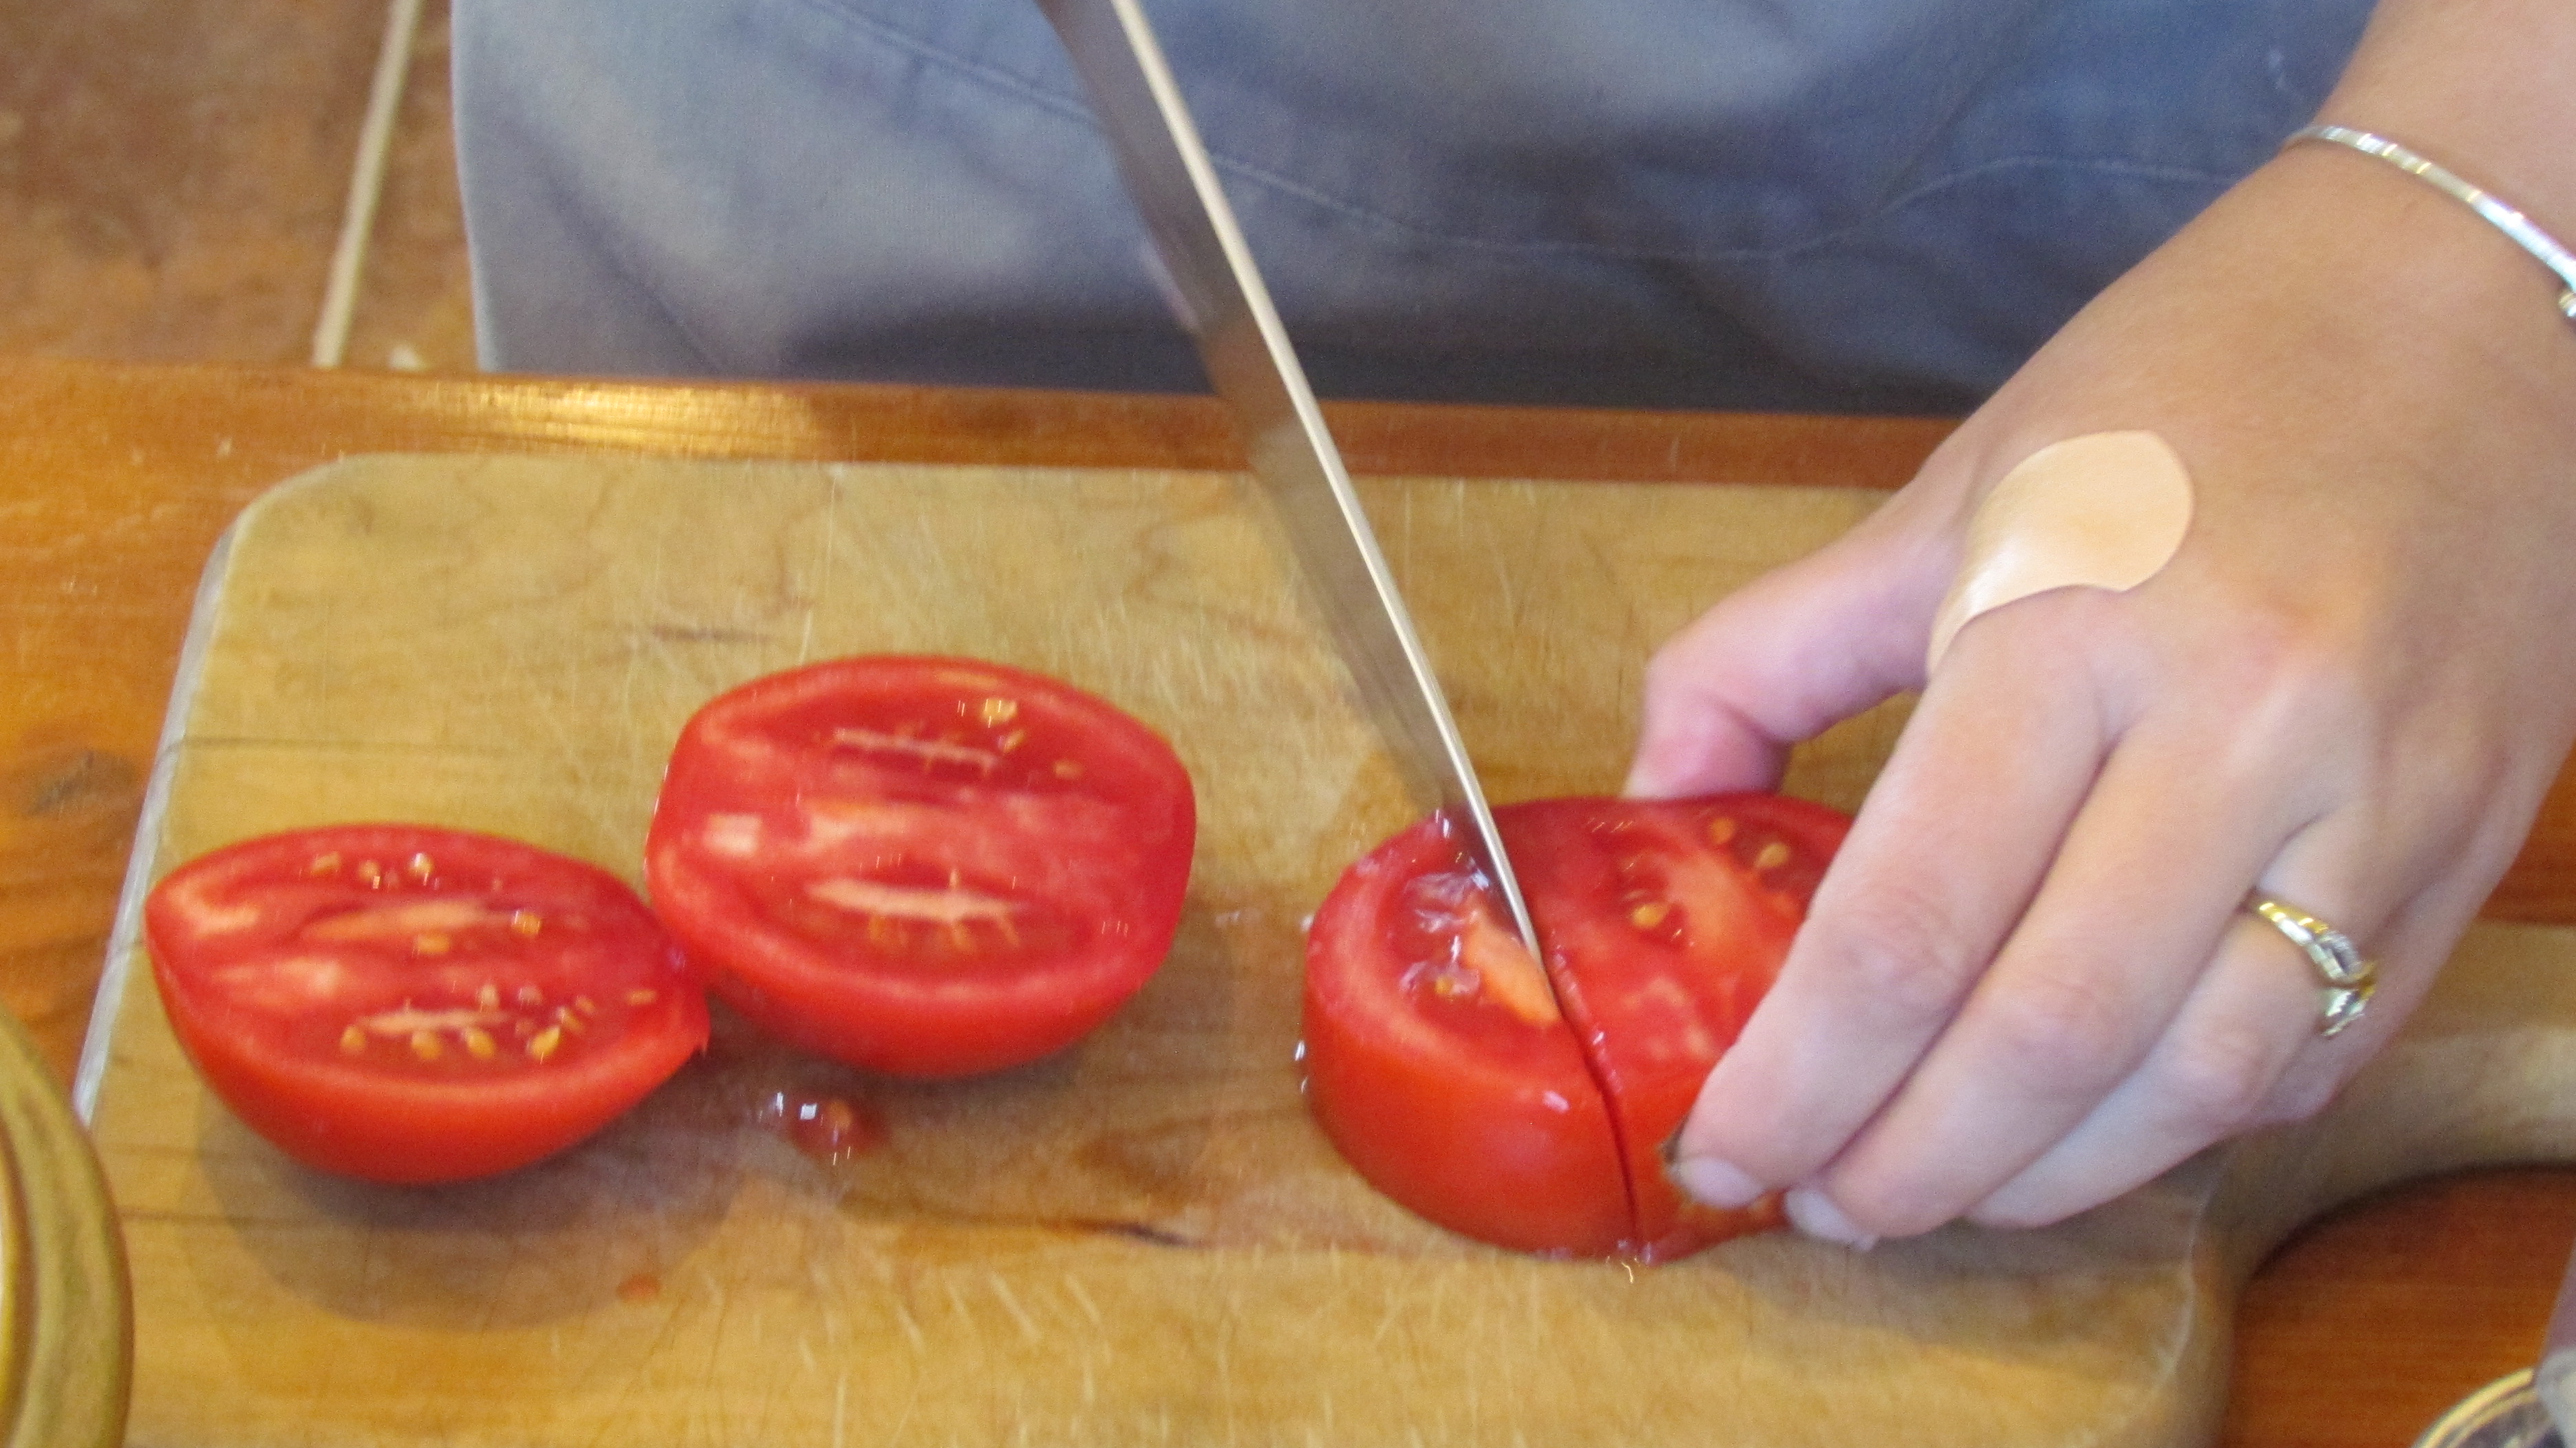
[2554, 1380]
[1248, 358]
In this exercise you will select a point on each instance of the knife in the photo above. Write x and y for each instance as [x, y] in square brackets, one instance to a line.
[2554, 1381]
[1245, 350]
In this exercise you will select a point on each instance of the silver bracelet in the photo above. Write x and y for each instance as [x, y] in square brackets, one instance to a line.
[2503, 217]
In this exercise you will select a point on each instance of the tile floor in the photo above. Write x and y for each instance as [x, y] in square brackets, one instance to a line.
[174, 176]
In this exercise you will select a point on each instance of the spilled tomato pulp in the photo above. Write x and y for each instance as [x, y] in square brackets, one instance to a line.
[413, 1005]
[1528, 1106]
[827, 1127]
[922, 866]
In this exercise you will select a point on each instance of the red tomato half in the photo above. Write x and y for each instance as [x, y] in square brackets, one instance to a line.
[926, 866]
[418, 1005]
[1436, 1056]
[1438, 1064]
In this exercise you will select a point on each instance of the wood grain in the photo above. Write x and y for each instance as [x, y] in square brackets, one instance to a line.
[1145, 1239]
[2368, 1323]
[114, 482]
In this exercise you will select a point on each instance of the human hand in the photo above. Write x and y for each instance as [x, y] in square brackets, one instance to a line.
[2027, 984]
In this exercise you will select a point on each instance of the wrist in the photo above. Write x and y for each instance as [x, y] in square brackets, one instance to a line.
[2326, 296]
[2478, 89]
[2486, 205]
[2409, 271]
[2480, 86]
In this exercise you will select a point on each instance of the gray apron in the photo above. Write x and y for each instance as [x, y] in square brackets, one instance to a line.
[1813, 204]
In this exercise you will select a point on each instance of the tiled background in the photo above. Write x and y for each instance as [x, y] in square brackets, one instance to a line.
[174, 176]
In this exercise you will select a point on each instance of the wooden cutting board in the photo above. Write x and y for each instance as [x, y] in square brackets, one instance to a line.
[1143, 1240]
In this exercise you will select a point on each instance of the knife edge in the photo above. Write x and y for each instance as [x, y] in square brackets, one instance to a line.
[1245, 348]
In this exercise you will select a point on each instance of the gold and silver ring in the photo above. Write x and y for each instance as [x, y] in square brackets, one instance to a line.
[2346, 979]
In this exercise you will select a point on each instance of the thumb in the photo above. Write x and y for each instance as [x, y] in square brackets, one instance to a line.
[1787, 656]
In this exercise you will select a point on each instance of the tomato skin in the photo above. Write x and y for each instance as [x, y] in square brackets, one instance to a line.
[922, 866]
[258, 970]
[1663, 923]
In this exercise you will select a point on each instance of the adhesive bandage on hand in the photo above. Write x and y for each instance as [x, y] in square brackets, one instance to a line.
[2106, 510]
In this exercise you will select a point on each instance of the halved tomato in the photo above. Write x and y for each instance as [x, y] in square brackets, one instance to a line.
[1437, 1062]
[1437, 1058]
[410, 1004]
[924, 866]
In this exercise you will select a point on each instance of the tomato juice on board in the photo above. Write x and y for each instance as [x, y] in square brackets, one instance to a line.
[1527, 1105]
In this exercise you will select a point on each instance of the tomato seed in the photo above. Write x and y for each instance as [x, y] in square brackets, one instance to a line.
[324, 864]
[529, 995]
[1650, 914]
[431, 944]
[585, 1005]
[353, 1042]
[526, 923]
[425, 1046]
[1067, 769]
[568, 1021]
[1011, 741]
[489, 997]
[642, 997]
[544, 1043]
[998, 712]
[1721, 830]
[370, 874]
[478, 1043]
[1772, 857]
[421, 868]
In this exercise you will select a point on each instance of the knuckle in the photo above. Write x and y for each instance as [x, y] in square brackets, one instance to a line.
[1903, 956]
[2220, 1081]
[2295, 1097]
[2059, 623]
[2062, 1027]
[2287, 673]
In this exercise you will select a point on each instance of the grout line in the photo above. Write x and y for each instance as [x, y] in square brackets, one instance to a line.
[366, 183]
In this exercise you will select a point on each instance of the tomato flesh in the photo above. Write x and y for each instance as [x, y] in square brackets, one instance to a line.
[1437, 1075]
[1663, 923]
[410, 1004]
[922, 866]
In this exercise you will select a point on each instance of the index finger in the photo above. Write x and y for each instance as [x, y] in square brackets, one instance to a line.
[1944, 856]
[1781, 660]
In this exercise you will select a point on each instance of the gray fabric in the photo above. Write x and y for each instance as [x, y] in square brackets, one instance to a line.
[1832, 204]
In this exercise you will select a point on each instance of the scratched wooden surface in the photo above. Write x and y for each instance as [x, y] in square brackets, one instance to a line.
[1142, 1240]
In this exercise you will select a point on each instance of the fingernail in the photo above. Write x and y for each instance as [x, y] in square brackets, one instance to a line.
[1715, 1183]
[1815, 1214]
